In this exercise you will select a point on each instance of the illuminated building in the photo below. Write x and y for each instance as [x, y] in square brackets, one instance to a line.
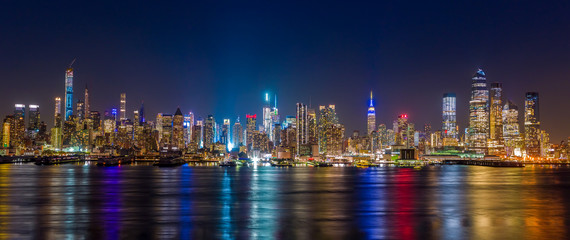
[34, 117]
[371, 116]
[178, 130]
[225, 134]
[197, 133]
[277, 134]
[19, 129]
[123, 112]
[382, 136]
[531, 124]
[267, 121]
[331, 133]
[496, 141]
[208, 132]
[188, 126]
[449, 116]
[312, 126]
[274, 120]
[68, 93]
[302, 126]
[86, 101]
[237, 134]
[166, 138]
[290, 121]
[250, 128]
[96, 119]
[57, 113]
[114, 114]
[80, 110]
[136, 117]
[510, 117]
[479, 113]
[159, 126]
[545, 145]
[7, 126]
[142, 119]
[404, 131]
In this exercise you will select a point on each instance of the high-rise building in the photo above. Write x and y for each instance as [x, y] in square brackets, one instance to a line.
[510, 117]
[188, 126]
[166, 138]
[237, 134]
[449, 115]
[225, 134]
[80, 110]
[178, 129]
[532, 124]
[274, 120]
[86, 101]
[68, 93]
[267, 121]
[34, 118]
[142, 119]
[302, 137]
[331, 133]
[250, 129]
[7, 129]
[371, 116]
[208, 131]
[123, 113]
[19, 129]
[312, 126]
[496, 143]
[404, 131]
[479, 113]
[57, 113]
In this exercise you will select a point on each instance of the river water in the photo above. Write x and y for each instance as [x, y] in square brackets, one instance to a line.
[146, 202]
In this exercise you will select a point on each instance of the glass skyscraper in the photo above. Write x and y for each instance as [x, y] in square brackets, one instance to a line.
[449, 115]
[479, 113]
[531, 124]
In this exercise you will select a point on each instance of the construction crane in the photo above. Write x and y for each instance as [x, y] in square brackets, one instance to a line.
[72, 62]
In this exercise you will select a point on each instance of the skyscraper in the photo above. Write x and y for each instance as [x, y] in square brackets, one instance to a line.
[250, 129]
[496, 143]
[237, 134]
[267, 121]
[208, 131]
[510, 117]
[479, 113]
[449, 117]
[19, 131]
[302, 126]
[189, 126]
[57, 113]
[225, 134]
[86, 102]
[531, 124]
[371, 116]
[142, 119]
[312, 126]
[178, 129]
[34, 117]
[68, 92]
[331, 133]
[123, 113]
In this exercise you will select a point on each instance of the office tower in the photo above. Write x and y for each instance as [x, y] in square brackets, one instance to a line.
[34, 119]
[237, 134]
[371, 116]
[510, 118]
[267, 116]
[136, 117]
[69, 92]
[496, 144]
[277, 134]
[312, 126]
[404, 131]
[86, 101]
[57, 113]
[208, 131]
[188, 126]
[302, 137]
[19, 129]
[80, 110]
[330, 132]
[479, 113]
[531, 124]
[225, 134]
[96, 119]
[291, 121]
[142, 119]
[382, 136]
[250, 129]
[7, 131]
[114, 114]
[166, 124]
[197, 133]
[274, 120]
[123, 113]
[449, 115]
[178, 130]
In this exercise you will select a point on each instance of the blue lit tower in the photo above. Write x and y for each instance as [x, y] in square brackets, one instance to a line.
[371, 116]
[69, 91]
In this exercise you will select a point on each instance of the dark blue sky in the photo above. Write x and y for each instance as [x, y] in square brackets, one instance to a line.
[222, 57]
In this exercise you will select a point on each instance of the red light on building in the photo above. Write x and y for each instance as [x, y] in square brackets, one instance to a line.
[251, 116]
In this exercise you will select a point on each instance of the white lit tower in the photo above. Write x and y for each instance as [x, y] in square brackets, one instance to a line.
[267, 123]
[123, 110]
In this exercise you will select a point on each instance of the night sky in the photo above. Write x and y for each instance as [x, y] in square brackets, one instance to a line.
[221, 58]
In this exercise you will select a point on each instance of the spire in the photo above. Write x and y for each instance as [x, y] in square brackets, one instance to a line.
[371, 104]
[178, 112]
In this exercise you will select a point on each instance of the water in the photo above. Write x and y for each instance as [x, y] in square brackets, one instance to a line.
[145, 202]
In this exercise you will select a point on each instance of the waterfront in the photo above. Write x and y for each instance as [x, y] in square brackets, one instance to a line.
[138, 202]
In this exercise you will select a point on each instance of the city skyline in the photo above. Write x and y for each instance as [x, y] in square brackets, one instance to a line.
[214, 61]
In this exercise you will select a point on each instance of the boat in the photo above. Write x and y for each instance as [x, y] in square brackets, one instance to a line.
[365, 164]
[324, 164]
[281, 163]
[114, 161]
[227, 164]
[170, 162]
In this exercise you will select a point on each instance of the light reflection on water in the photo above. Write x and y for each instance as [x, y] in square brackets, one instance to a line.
[142, 202]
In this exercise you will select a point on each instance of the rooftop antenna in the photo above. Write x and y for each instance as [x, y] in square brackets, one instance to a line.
[72, 62]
